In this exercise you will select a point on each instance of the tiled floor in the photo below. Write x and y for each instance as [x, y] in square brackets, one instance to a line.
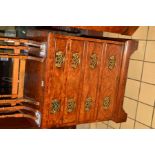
[139, 100]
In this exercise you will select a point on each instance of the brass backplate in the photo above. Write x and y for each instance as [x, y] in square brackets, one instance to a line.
[88, 103]
[59, 59]
[55, 106]
[71, 105]
[111, 62]
[93, 61]
[106, 102]
[75, 60]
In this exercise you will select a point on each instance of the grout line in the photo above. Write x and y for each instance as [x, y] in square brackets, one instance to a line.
[131, 118]
[141, 77]
[134, 79]
[141, 81]
[135, 59]
[115, 123]
[152, 115]
[108, 123]
[131, 98]
[110, 127]
[140, 122]
[148, 33]
[148, 83]
[126, 122]
[105, 125]
[140, 101]
[142, 60]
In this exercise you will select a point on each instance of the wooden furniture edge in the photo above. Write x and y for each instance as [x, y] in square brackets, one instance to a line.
[124, 30]
[119, 114]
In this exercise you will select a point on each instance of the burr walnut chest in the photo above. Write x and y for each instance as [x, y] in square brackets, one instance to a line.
[76, 79]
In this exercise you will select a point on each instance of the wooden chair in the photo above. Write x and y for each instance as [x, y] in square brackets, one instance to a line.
[14, 105]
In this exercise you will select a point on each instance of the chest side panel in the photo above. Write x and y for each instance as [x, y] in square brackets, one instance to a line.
[33, 78]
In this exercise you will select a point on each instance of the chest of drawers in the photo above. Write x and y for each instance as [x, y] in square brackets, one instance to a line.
[81, 80]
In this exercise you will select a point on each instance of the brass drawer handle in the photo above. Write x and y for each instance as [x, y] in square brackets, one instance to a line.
[106, 102]
[111, 62]
[88, 103]
[59, 59]
[75, 60]
[55, 106]
[93, 60]
[71, 105]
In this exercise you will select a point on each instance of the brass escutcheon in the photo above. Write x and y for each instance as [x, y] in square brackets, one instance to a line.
[71, 105]
[111, 62]
[75, 60]
[59, 59]
[93, 60]
[88, 103]
[106, 102]
[55, 106]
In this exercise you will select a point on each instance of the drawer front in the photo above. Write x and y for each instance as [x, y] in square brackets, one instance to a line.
[109, 81]
[93, 55]
[57, 80]
[73, 83]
